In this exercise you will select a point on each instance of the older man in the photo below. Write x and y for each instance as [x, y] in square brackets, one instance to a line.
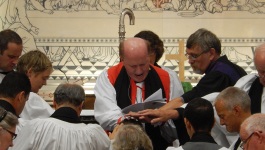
[203, 52]
[10, 50]
[63, 130]
[254, 84]
[252, 132]
[233, 107]
[131, 82]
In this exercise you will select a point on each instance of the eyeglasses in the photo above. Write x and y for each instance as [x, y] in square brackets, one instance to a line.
[14, 135]
[195, 56]
[246, 140]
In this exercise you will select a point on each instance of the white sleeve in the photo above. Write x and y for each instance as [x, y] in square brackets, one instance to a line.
[106, 110]
[245, 82]
[211, 97]
[176, 89]
[36, 107]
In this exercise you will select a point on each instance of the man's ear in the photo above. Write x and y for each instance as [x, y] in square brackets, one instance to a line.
[187, 123]
[54, 104]
[80, 107]
[237, 110]
[212, 53]
[260, 137]
[21, 96]
[30, 72]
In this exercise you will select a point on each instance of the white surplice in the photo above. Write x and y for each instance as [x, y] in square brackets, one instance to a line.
[54, 134]
[36, 107]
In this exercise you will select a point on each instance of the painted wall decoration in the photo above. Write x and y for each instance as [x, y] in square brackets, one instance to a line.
[81, 36]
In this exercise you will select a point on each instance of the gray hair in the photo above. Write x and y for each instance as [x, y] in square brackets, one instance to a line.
[205, 40]
[69, 94]
[233, 96]
[132, 137]
[7, 119]
[255, 122]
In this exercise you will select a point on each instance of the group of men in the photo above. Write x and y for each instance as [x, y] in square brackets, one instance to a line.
[133, 80]
[38, 121]
[129, 83]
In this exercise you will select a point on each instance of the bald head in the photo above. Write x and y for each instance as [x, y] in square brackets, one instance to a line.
[260, 52]
[259, 60]
[134, 47]
[252, 132]
[134, 53]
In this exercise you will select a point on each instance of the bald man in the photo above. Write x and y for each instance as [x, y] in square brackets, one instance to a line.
[252, 132]
[131, 82]
[254, 84]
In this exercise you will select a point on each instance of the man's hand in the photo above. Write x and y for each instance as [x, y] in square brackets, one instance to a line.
[155, 116]
[139, 116]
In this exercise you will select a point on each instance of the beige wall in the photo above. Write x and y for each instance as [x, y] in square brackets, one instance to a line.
[85, 42]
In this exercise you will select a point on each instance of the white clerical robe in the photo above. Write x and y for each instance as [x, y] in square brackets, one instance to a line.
[245, 83]
[36, 107]
[54, 134]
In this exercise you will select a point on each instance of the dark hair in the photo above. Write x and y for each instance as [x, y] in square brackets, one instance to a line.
[8, 36]
[69, 93]
[204, 39]
[14, 83]
[156, 43]
[200, 114]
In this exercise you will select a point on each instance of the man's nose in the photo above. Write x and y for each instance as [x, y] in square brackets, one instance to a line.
[138, 70]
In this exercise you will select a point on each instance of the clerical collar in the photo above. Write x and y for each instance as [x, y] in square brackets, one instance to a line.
[66, 114]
